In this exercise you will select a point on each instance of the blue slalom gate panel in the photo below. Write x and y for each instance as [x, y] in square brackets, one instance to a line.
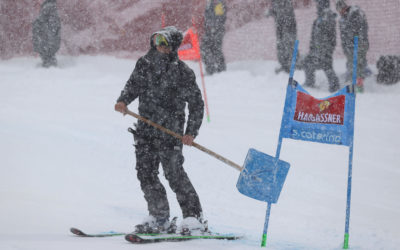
[263, 176]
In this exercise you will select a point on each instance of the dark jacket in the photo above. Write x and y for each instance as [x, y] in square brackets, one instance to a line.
[46, 29]
[388, 69]
[215, 17]
[283, 12]
[323, 35]
[286, 30]
[354, 23]
[164, 84]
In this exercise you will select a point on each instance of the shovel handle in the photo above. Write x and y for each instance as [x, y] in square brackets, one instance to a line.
[196, 145]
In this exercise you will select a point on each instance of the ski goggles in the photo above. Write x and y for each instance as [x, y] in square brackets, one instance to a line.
[160, 40]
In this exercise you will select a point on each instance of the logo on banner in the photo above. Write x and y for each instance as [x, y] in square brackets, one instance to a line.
[312, 110]
[317, 135]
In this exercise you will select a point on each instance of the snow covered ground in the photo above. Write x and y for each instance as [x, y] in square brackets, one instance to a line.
[67, 160]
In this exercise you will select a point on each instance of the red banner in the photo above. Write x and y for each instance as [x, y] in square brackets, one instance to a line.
[312, 110]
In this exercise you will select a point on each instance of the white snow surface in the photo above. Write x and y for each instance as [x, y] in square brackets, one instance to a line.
[67, 160]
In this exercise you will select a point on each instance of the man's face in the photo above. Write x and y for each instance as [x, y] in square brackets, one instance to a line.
[163, 49]
[38, 3]
[343, 11]
[161, 44]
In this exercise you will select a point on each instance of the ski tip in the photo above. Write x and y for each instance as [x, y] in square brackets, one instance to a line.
[133, 238]
[77, 231]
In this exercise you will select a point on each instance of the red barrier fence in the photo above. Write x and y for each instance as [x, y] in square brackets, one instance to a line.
[115, 26]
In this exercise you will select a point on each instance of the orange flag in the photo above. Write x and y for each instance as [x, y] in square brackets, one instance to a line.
[189, 49]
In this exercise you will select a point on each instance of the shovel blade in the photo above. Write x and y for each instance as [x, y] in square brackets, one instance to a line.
[263, 176]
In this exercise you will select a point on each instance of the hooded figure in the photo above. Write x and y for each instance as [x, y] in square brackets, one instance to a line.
[353, 22]
[46, 33]
[211, 42]
[163, 84]
[322, 46]
[388, 69]
[286, 31]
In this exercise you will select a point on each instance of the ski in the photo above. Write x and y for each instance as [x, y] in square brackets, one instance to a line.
[154, 238]
[80, 233]
[143, 239]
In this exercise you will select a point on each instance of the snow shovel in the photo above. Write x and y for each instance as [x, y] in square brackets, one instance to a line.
[262, 177]
[196, 145]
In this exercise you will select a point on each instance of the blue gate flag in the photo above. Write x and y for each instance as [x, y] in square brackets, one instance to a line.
[263, 177]
[328, 120]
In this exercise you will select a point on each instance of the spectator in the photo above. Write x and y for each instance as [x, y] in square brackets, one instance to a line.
[46, 33]
[211, 42]
[388, 69]
[286, 31]
[352, 23]
[322, 46]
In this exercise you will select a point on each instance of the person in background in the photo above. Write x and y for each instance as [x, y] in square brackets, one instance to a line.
[46, 33]
[211, 42]
[353, 22]
[163, 84]
[286, 31]
[322, 46]
[388, 69]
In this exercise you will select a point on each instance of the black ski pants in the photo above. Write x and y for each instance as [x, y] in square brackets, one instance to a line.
[312, 63]
[362, 62]
[149, 155]
[212, 53]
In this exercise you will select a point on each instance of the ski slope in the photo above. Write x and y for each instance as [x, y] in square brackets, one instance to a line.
[66, 159]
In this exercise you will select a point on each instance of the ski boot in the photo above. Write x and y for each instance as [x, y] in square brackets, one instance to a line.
[194, 226]
[154, 226]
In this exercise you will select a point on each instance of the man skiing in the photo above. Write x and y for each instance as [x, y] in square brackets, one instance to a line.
[211, 43]
[322, 46]
[46, 31]
[164, 84]
[353, 22]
